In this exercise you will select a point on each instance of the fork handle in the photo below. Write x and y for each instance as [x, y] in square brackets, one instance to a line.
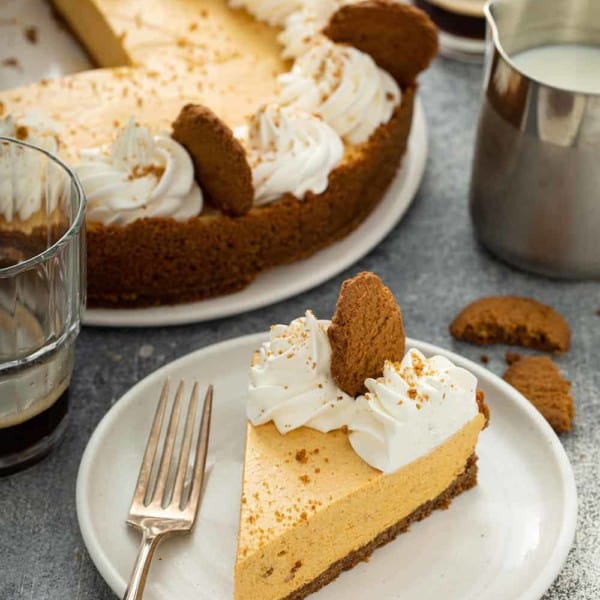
[137, 581]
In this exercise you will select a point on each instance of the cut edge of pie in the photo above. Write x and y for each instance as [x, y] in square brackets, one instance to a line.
[320, 513]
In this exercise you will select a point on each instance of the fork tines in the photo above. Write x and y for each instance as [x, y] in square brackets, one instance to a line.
[166, 467]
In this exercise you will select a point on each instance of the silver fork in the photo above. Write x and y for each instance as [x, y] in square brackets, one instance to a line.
[163, 508]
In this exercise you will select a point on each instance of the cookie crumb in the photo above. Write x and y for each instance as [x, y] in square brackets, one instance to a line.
[540, 381]
[512, 357]
[297, 565]
[268, 572]
[21, 132]
[31, 34]
[11, 62]
[484, 409]
[484, 358]
[301, 456]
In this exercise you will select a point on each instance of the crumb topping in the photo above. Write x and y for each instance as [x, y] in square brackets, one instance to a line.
[301, 456]
[31, 34]
[140, 171]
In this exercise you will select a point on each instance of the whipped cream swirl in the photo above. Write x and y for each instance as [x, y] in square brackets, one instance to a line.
[34, 128]
[28, 182]
[140, 176]
[303, 26]
[291, 382]
[416, 406]
[273, 12]
[344, 86]
[289, 151]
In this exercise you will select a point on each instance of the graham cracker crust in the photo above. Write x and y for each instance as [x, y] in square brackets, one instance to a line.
[465, 481]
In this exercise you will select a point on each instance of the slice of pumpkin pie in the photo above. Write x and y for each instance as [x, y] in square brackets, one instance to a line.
[329, 477]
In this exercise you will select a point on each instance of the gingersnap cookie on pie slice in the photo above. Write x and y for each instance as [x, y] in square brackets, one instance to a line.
[222, 169]
[512, 320]
[540, 381]
[400, 38]
[365, 331]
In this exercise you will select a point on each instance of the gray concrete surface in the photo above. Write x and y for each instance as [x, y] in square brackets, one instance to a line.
[433, 265]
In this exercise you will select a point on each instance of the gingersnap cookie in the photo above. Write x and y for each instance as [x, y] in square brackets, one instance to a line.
[400, 38]
[365, 331]
[222, 169]
[512, 320]
[540, 381]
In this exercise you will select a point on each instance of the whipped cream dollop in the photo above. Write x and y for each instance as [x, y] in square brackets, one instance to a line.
[304, 25]
[140, 176]
[28, 181]
[344, 86]
[291, 382]
[289, 151]
[273, 12]
[33, 127]
[413, 408]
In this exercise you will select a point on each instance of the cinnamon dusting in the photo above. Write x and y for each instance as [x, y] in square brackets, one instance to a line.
[143, 171]
[21, 132]
[301, 456]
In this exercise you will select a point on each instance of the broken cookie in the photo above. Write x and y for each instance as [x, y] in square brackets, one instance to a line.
[512, 320]
[540, 381]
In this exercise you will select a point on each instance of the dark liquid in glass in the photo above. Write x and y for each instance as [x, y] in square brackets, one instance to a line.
[19, 438]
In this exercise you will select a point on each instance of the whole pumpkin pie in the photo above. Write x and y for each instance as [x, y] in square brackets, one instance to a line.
[219, 140]
[329, 476]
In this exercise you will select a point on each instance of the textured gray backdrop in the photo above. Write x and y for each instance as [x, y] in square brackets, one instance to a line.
[432, 264]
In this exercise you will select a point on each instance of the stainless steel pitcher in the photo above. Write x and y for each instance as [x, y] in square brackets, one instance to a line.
[535, 187]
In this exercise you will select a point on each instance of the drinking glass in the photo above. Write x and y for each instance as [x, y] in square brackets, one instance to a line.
[42, 294]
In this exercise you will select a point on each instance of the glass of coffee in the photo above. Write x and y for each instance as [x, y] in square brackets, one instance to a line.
[462, 27]
[42, 293]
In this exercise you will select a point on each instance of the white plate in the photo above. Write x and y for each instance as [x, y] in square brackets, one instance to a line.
[505, 539]
[289, 280]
